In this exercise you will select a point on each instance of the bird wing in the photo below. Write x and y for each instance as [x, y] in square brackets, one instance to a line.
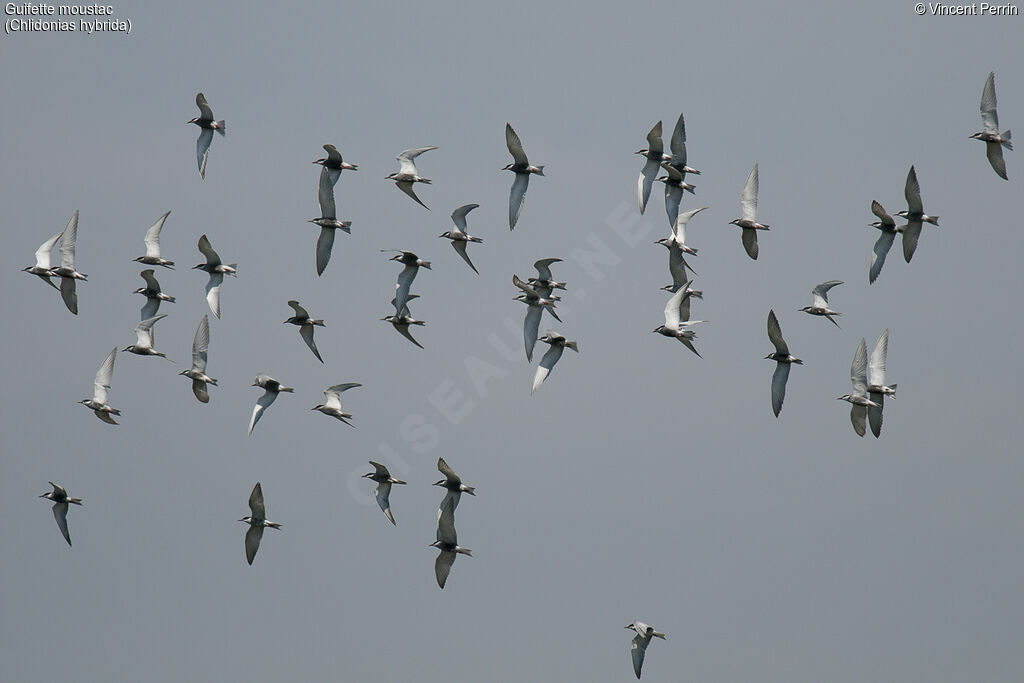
[994, 152]
[857, 418]
[859, 369]
[779, 378]
[300, 312]
[144, 331]
[382, 493]
[333, 155]
[252, 542]
[306, 332]
[543, 267]
[333, 393]
[325, 195]
[531, 326]
[878, 254]
[101, 384]
[448, 472]
[886, 219]
[60, 513]
[67, 242]
[525, 286]
[213, 292]
[256, 502]
[748, 198]
[989, 117]
[380, 470]
[515, 146]
[152, 237]
[212, 259]
[911, 234]
[405, 159]
[547, 364]
[200, 390]
[150, 278]
[638, 650]
[443, 566]
[459, 215]
[676, 266]
[820, 292]
[324, 244]
[679, 230]
[203, 149]
[262, 403]
[677, 144]
[876, 364]
[69, 293]
[405, 279]
[43, 252]
[672, 318]
[775, 334]
[446, 524]
[517, 198]
[204, 108]
[404, 331]
[673, 196]
[200, 345]
[912, 192]
[654, 143]
[875, 415]
[460, 247]
[406, 187]
[645, 182]
[150, 308]
[749, 238]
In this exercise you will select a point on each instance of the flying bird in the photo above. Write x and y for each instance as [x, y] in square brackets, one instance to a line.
[783, 359]
[60, 508]
[677, 145]
[654, 154]
[459, 236]
[305, 323]
[914, 215]
[200, 345]
[453, 483]
[877, 388]
[888, 228]
[101, 387]
[407, 175]
[522, 168]
[328, 220]
[677, 265]
[679, 230]
[641, 640]
[677, 319]
[333, 165]
[545, 283]
[43, 269]
[271, 388]
[207, 125]
[217, 271]
[993, 139]
[66, 270]
[447, 542]
[535, 307]
[547, 363]
[143, 345]
[748, 212]
[332, 407]
[412, 264]
[154, 295]
[859, 401]
[384, 481]
[820, 306]
[402, 321]
[257, 521]
[152, 239]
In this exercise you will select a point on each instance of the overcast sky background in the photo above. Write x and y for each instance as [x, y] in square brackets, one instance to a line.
[640, 482]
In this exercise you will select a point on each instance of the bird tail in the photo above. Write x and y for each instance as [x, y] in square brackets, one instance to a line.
[212, 381]
[428, 181]
[893, 387]
[425, 264]
[465, 551]
[572, 345]
[233, 266]
[1005, 135]
[657, 634]
[317, 322]
[469, 490]
[272, 525]
[222, 128]
[76, 501]
[689, 188]
[171, 299]
[290, 390]
[540, 169]
[115, 411]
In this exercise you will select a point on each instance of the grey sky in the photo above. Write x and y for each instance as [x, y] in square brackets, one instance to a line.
[640, 482]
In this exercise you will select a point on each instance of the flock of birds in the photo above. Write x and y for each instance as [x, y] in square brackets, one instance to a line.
[867, 374]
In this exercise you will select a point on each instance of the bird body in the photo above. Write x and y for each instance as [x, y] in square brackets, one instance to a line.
[407, 173]
[459, 237]
[305, 324]
[820, 306]
[61, 500]
[271, 388]
[144, 338]
[383, 492]
[547, 363]
[332, 406]
[641, 640]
